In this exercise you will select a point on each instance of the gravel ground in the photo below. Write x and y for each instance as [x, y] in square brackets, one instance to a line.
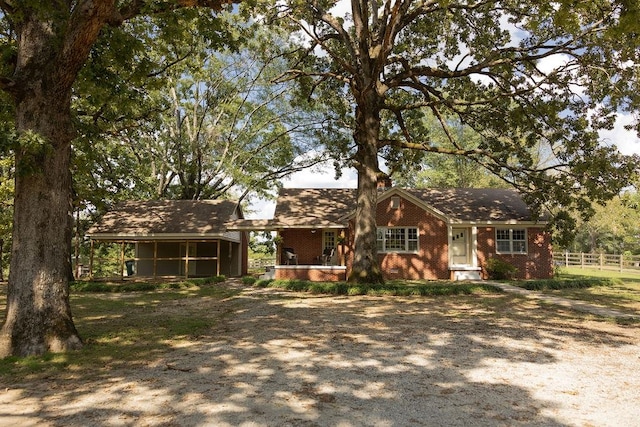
[285, 359]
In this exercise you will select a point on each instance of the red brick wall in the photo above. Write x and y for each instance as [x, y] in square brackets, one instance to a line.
[307, 245]
[431, 260]
[537, 264]
[314, 274]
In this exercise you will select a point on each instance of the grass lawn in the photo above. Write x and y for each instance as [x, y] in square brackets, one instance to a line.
[124, 324]
[607, 288]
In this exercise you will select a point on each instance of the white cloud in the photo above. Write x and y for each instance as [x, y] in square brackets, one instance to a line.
[627, 141]
[321, 176]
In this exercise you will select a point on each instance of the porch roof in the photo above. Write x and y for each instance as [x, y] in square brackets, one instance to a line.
[166, 219]
[305, 208]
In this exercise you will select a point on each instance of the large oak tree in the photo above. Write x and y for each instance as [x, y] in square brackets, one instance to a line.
[521, 74]
[45, 46]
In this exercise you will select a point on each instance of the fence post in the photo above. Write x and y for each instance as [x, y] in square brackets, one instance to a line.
[601, 260]
[621, 262]
[581, 259]
[566, 258]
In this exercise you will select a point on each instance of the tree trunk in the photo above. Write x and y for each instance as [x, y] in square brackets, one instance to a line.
[366, 268]
[38, 312]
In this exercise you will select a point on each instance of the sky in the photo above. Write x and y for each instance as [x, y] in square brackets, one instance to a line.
[324, 176]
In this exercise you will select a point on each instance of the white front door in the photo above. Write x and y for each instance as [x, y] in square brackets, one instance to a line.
[460, 246]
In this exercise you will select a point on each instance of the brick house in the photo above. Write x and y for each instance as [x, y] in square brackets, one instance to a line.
[422, 234]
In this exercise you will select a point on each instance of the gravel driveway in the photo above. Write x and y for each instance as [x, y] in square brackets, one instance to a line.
[287, 359]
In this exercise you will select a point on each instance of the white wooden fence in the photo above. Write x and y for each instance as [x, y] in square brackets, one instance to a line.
[599, 261]
[261, 263]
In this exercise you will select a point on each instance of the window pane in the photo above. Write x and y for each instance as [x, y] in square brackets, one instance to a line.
[395, 239]
[511, 241]
[380, 240]
[519, 235]
[503, 246]
[502, 234]
[412, 239]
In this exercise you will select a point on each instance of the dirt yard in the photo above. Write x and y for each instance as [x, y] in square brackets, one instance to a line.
[287, 359]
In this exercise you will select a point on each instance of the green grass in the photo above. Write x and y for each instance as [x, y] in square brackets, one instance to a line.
[118, 287]
[394, 288]
[608, 288]
[130, 327]
[137, 322]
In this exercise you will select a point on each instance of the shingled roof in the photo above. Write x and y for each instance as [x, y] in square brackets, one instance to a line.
[166, 217]
[297, 207]
[476, 204]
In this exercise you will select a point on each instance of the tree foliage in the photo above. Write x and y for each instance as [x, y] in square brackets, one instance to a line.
[210, 124]
[614, 228]
[43, 48]
[520, 74]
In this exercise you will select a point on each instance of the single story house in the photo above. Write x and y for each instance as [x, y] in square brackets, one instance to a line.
[422, 233]
[185, 238]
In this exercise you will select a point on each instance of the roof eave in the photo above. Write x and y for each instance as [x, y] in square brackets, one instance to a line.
[156, 236]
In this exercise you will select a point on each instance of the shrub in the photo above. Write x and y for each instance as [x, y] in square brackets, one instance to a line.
[498, 269]
[249, 280]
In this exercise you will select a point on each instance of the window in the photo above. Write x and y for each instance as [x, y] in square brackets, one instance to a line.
[511, 241]
[395, 202]
[329, 239]
[397, 239]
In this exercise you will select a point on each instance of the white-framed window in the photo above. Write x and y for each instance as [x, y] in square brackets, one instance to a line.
[395, 202]
[328, 239]
[397, 239]
[511, 240]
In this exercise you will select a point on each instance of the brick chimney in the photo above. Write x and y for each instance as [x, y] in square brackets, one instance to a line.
[384, 182]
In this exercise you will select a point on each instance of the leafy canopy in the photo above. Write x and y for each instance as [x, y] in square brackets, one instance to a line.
[535, 82]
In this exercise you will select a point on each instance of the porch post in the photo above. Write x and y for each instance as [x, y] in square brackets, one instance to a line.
[155, 258]
[122, 260]
[91, 262]
[474, 246]
[186, 261]
[218, 257]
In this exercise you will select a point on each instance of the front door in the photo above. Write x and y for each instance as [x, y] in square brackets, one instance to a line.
[460, 246]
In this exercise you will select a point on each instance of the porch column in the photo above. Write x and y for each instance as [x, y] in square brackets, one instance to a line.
[218, 257]
[155, 258]
[474, 246]
[186, 261]
[122, 260]
[91, 261]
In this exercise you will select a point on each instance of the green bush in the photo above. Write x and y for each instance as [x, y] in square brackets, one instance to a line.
[397, 288]
[498, 269]
[249, 280]
[558, 284]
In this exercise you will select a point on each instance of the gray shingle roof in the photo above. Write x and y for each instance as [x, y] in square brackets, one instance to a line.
[318, 207]
[476, 204]
[314, 206]
[196, 217]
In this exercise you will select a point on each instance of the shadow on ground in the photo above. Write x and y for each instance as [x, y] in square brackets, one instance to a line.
[287, 359]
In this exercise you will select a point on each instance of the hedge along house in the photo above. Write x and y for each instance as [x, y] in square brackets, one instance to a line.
[174, 238]
[422, 234]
